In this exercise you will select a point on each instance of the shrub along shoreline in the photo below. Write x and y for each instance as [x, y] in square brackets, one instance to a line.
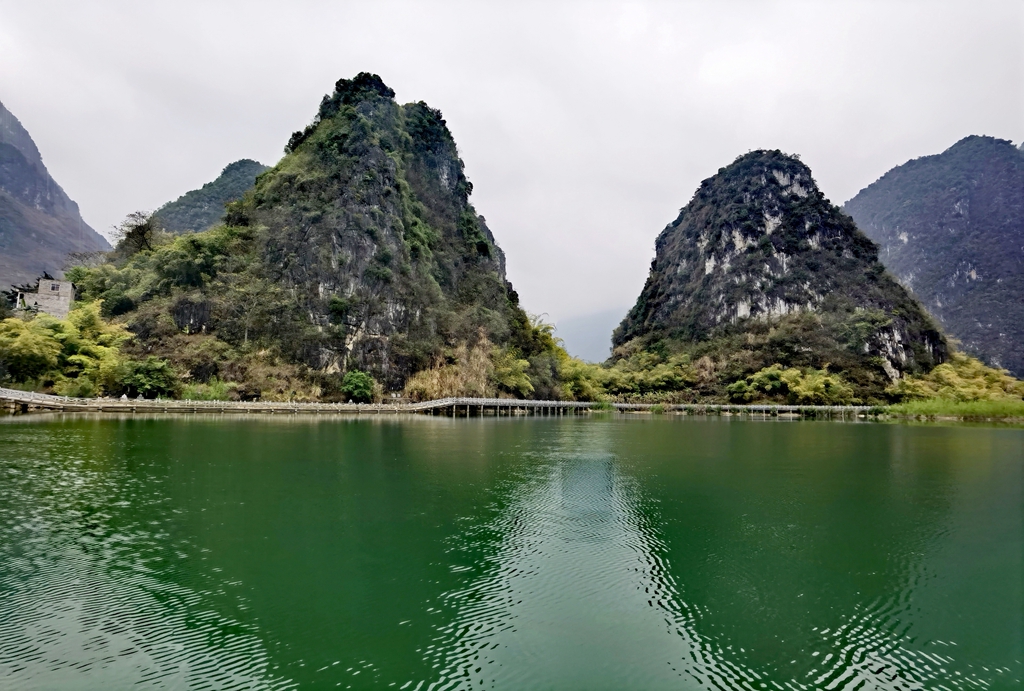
[87, 355]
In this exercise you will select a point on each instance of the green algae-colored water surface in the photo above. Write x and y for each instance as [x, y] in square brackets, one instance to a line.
[543, 553]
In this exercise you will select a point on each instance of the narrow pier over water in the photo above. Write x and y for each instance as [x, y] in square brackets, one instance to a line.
[25, 401]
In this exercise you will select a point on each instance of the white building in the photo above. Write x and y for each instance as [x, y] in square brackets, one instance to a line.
[54, 298]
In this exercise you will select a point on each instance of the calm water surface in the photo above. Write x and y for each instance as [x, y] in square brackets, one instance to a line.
[665, 553]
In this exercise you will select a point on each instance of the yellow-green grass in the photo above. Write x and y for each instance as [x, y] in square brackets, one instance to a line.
[967, 410]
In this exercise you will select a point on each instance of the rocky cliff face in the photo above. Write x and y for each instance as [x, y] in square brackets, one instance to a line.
[367, 224]
[204, 208]
[39, 224]
[951, 228]
[764, 267]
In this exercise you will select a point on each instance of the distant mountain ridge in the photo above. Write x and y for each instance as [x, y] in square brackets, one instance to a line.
[951, 228]
[760, 268]
[204, 208]
[39, 224]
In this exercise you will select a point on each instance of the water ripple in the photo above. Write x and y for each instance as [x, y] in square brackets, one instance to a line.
[535, 554]
[82, 599]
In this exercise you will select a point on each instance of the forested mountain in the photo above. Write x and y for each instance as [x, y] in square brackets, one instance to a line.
[951, 228]
[39, 224]
[359, 250]
[761, 269]
[204, 208]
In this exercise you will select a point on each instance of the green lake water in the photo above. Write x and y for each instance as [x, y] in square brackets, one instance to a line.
[541, 553]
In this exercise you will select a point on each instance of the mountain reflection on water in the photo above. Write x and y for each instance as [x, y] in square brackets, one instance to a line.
[546, 553]
[573, 587]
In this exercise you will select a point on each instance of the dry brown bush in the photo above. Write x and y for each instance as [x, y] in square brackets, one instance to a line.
[469, 375]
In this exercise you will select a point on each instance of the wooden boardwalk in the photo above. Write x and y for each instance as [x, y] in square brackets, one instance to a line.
[25, 401]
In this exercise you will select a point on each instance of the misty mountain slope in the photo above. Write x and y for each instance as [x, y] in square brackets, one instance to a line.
[204, 208]
[760, 268]
[951, 228]
[39, 224]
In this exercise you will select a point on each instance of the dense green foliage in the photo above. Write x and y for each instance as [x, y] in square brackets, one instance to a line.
[79, 356]
[212, 390]
[962, 378]
[358, 386]
[204, 208]
[200, 301]
[963, 388]
[535, 365]
[950, 228]
[799, 387]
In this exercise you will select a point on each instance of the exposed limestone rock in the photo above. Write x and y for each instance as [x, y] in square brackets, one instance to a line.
[768, 253]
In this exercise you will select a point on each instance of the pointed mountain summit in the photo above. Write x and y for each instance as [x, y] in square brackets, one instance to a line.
[203, 208]
[39, 224]
[367, 222]
[760, 268]
[951, 228]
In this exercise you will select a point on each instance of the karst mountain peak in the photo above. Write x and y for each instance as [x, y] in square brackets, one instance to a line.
[760, 245]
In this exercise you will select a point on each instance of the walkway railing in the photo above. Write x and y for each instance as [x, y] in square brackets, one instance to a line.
[25, 401]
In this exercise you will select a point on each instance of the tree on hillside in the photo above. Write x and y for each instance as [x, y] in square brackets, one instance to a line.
[251, 302]
[89, 260]
[135, 233]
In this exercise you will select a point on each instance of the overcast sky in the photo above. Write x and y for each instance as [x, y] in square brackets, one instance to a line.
[584, 126]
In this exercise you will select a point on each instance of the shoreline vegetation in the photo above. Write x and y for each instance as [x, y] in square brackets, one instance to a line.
[87, 356]
[99, 351]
